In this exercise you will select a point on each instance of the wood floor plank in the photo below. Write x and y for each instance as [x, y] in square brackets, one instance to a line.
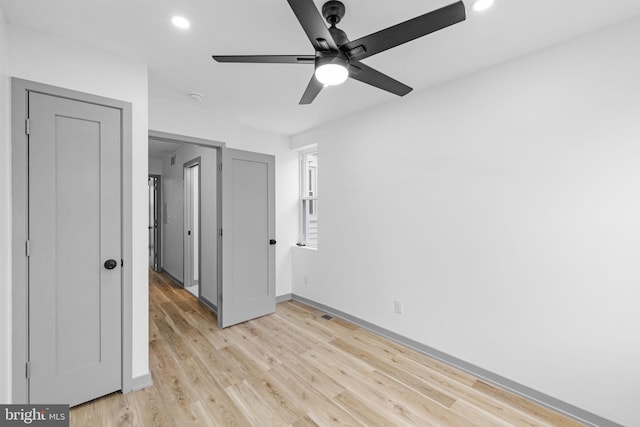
[362, 384]
[212, 397]
[254, 407]
[281, 346]
[295, 368]
[286, 331]
[511, 414]
[477, 416]
[259, 353]
[148, 408]
[358, 408]
[318, 407]
[305, 421]
[306, 322]
[313, 379]
[406, 378]
[525, 405]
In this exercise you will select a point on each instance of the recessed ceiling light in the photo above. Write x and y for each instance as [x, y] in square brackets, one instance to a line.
[198, 97]
[480, 5]
[181, 22]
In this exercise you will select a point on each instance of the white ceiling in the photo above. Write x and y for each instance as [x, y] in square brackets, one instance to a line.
[266, 96]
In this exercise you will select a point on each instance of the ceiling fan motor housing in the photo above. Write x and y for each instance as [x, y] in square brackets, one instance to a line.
[339, 36]
[336, 57]
[333, 11]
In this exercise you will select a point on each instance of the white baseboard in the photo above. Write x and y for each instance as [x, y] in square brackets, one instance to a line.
[283, 298]
[143, 381]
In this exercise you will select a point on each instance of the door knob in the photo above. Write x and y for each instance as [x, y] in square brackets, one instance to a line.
[272, 242]
[110, 264]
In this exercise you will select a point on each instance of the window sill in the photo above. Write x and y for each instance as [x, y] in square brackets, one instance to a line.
[306, 248]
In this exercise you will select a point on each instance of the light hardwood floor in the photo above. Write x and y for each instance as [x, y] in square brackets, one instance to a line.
[295, 368]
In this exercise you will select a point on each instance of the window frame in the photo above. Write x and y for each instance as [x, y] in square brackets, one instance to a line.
[305, 198]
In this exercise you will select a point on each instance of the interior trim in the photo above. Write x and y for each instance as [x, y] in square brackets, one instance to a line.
[142, 381]
[211, 306]
[172, 277]
[181, 139]
[283, 298]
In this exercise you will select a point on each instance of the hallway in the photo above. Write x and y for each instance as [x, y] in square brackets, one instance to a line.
[294, 368]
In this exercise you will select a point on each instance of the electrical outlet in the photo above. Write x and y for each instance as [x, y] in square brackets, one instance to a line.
[397, 307]
[306, 279]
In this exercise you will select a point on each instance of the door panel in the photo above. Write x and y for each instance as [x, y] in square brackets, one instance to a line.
[74, 226]
[248, 223]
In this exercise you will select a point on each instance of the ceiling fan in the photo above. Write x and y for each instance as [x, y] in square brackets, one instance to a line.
[337, 58]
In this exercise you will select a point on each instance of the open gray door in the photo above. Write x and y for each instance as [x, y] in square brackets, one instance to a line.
[74, 250]
[248, 245]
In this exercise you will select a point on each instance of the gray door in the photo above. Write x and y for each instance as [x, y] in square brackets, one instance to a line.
[74, 227]
[248, 224]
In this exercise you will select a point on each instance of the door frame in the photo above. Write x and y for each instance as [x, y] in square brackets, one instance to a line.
[187, 165]
[158, 218]
[20, 211]
[218, 146]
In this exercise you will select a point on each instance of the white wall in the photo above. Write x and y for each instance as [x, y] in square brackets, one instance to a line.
[155, 167]
[172, 230]
[503, 209]
[186, 120]
[305, 269]
[5, 218]
[41, 58]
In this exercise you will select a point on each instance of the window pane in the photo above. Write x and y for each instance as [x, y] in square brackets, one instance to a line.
[310, 175]
[310, 222]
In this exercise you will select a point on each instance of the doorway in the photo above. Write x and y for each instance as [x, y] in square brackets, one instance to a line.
[225, 254]
[192, 238]
[188, 217]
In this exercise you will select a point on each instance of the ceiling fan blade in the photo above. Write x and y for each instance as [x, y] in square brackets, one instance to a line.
[313, 24]
[313, 89]
[405, 32]
[267, 59]
[370, 76]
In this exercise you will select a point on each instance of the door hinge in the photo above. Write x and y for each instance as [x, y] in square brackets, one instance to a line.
[27, 370]
[27, 126]
[220, 167]
[220, 232]
[121, 263]
[27, 248]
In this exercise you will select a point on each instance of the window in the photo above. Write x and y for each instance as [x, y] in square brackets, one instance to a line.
[309, 199]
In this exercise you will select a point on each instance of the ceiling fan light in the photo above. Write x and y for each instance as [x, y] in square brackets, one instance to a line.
[331, 74]
[481, 5]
